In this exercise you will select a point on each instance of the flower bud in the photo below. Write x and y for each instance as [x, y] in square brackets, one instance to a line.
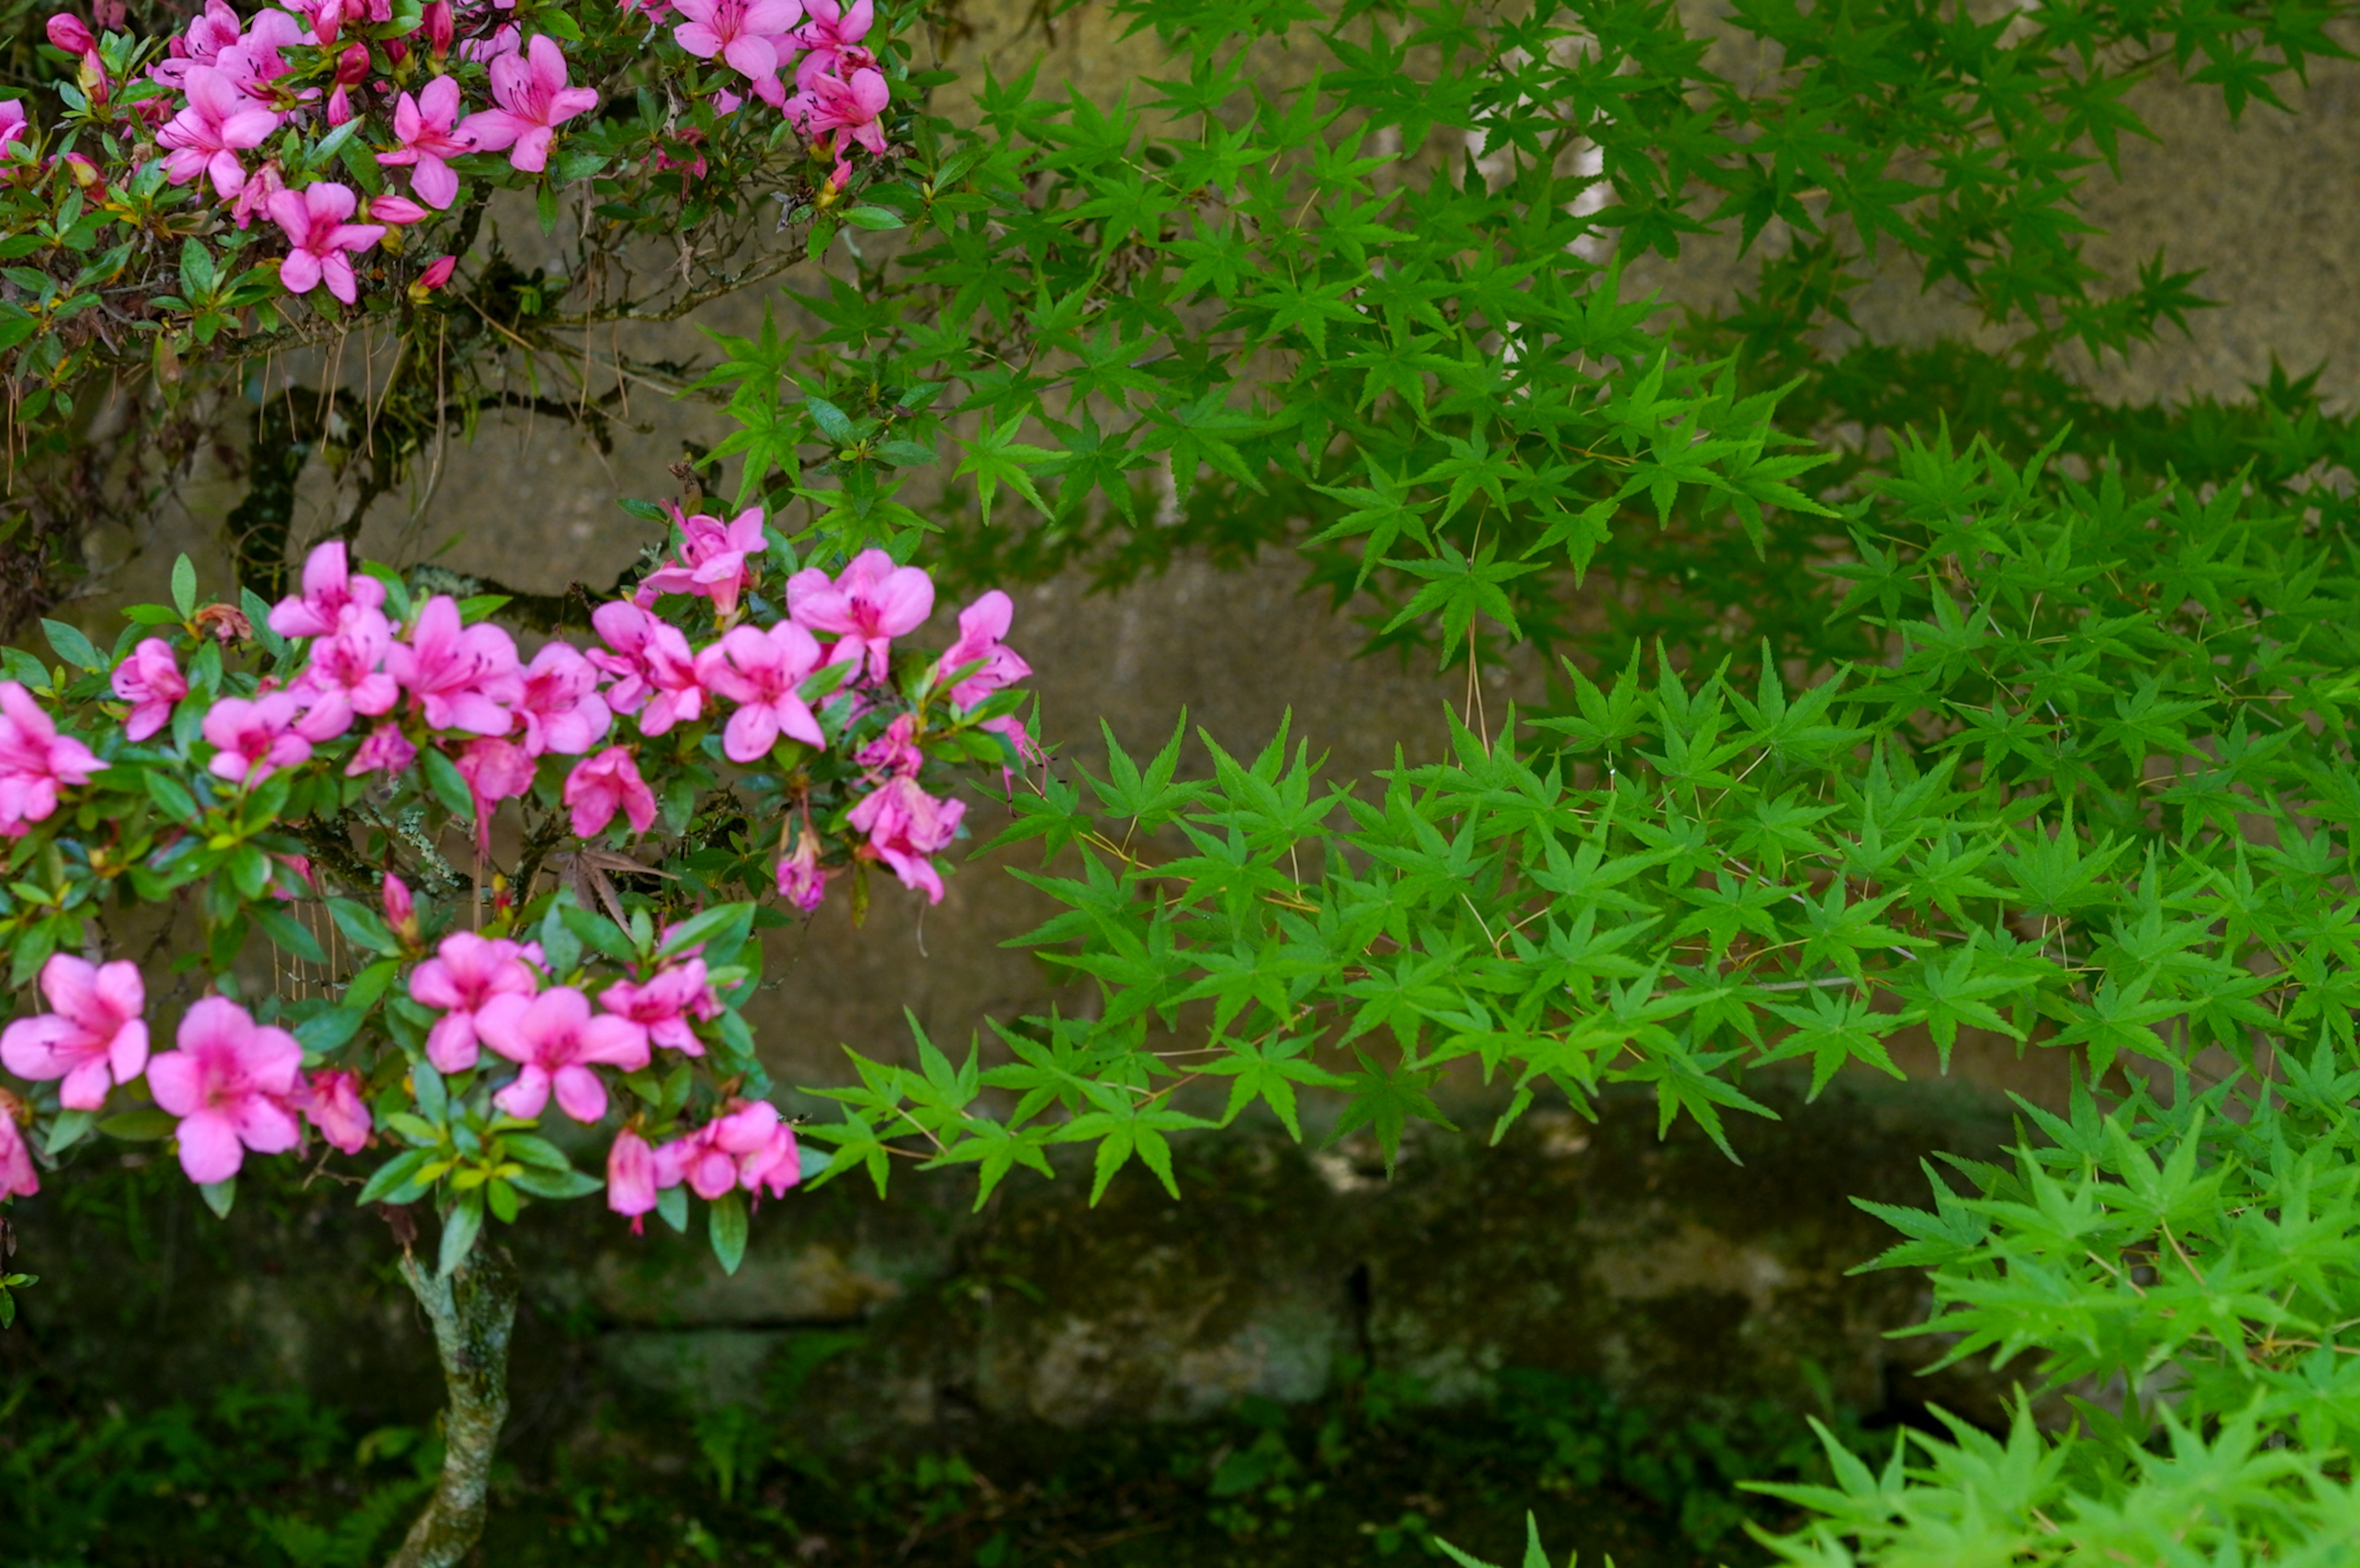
[353, 65]
[438, 28]
[68, 33]
[433, 278]
[390, 208]
[400, 912]
[340, 106]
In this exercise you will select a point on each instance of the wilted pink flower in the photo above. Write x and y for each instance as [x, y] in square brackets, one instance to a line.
[17, 1177]
[401, 910]
[801, 881]
[95, 1035]
[386, 750]
[218, 124]
[751, 36]
[828, 104]
[495, 770]
[334, 1105]
[712, 560]
[35, 761]
[559, 703]
[67, 32]
[255, 736]
[557, 1041]
[319, 239]
[331, 595]
[602, 785]
[345, 677]
[630, 1176]
[463, 677]
[534, 101]
[866, 608]
[758, 670]
[896, 751]
[466, 971]
[655, 674]
[151, 682]
[662, 1006]
[230, 1082]
[426, 126]
[981, 626]
[262, 188]
[906, 826]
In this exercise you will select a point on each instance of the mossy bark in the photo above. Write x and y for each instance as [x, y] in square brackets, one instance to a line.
[472, 1311]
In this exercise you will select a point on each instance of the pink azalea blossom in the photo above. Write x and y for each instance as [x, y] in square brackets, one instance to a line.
[255, 736]
[896, 751]
[13, 125]
[906, 827]
[262, 188]
[320, 242]
[802, 880]
[534, 101]
[712, 560]
[630, 1177]
[426, 125]
[151, 682]
[747, 1148]
[257, 60]
[332, 596]
[17, 1177]
[334, 1105]
[655, 674]
[557, 1041]
[832, 34]
[758, 670]
[463, 677]
[211, 30]
[829, 105]
[218, 124]
[603, 785]
[495, 770]
[231, 1083]
[35, 761]
[662, 1005]
[466, 971]
[981, 626]
[866, 608]
[752, 36]
[559, 703]
[95, 1037]
[386, 750]
[345, 679]
[505, 41]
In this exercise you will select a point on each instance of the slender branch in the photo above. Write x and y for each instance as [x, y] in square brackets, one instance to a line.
[472, 1311]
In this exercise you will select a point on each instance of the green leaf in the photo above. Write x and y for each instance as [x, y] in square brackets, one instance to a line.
[142, 1125]
[72, 645]
[459, 1228]
[728, 1228]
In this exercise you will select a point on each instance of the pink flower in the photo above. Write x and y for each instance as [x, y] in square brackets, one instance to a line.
[345, 678]
[750, 34]
[35, 761]
[334, 1105]
[400, 912]
[981, 626]
[426, 128]
[559, 703]
[17, 1177]
[831, 30]
[630, 1176]
[319, 238]
[602, 785]
[387, 749]
[465, 974]
[557, 1041]
[462, 677]
[95, 1034]
[13, 125]
[151, 682]
[906, 826]
[656, 676]
[747, 1148]
[394, 210]
[828, 104]
[211, 30]
[255, 736]
[262, 188]
[896, 751]
[758, 670]
[712, 559]
[67, 32]
[439, 26]
[534, 101]
[438, 272]
[873, 603]
[330, 596]
[504, 42]
[255, 61]
[230, 1082]
[218, 124]
[495, 770]
[802, 880]
[662, 1008]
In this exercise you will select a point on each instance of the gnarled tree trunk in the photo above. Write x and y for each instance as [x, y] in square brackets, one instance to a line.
[474, 1312]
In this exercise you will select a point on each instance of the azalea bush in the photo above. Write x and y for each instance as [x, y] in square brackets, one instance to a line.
[518, 897]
